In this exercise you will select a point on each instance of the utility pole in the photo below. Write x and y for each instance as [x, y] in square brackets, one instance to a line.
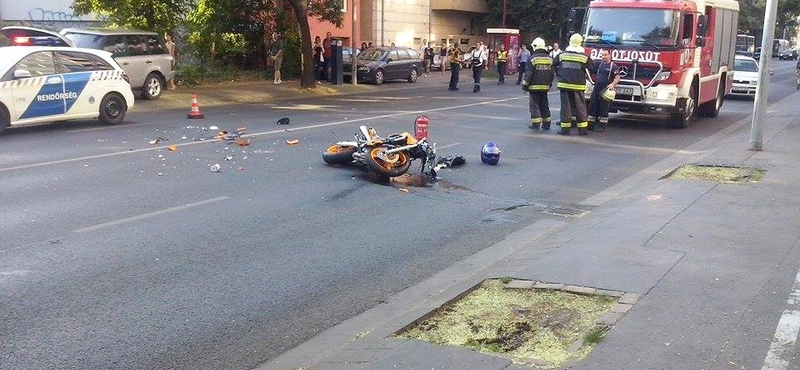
[354, 45]
[383, 20]
[762, 91]
[504, 13]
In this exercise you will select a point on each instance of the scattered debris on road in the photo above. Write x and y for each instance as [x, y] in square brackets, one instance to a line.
[292, 142]
[173, 148]
[283, 121]
[216, 168]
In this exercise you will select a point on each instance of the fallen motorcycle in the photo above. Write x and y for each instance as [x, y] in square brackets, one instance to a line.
[388, 157]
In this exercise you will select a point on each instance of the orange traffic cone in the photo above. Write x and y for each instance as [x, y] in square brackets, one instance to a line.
[195, 112]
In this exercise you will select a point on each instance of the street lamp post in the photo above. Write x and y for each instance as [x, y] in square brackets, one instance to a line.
[353, 44]
[762, 91]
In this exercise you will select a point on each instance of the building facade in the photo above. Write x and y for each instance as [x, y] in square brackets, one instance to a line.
[408, 22]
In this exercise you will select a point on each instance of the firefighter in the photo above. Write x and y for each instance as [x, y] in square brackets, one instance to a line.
[502, 60]
[455, 66]
[571, 66]
[538, 79]
[603, 92]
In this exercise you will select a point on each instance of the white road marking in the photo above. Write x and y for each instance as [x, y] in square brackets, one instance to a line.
[786, 333]
[447, 146]
[148, 215]
[304, 128]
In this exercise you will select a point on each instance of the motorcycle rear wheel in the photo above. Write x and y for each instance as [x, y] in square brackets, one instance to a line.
[377, 162]
[337, 154]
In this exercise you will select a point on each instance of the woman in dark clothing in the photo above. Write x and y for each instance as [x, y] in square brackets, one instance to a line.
[318, 58]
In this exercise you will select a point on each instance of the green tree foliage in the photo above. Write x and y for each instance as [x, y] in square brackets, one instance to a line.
[535, 18]
[154, 15]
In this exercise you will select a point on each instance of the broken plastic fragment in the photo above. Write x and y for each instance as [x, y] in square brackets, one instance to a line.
[404, 190]
[213, 128]
[216, 167]
[243, 142]
[173, 148]
[292, 142]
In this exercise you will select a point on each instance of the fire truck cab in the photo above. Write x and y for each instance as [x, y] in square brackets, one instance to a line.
[676, 57]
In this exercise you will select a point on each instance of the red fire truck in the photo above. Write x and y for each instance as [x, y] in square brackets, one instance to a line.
[676, 56]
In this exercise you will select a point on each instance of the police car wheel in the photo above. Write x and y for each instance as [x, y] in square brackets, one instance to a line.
[153, 86]
[112, 109]
[4, 119]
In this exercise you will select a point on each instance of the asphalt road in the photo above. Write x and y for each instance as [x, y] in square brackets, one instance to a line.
[117, 254]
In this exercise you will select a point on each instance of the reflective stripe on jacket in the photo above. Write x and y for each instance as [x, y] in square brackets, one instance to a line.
[540, 76]
[571, 70]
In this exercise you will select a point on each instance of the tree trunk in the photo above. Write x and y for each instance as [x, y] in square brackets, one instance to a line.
[307, 58]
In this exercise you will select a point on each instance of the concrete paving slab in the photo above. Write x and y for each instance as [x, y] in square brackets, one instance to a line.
[416, 355]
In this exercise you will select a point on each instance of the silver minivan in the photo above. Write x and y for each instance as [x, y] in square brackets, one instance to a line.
[140, 53]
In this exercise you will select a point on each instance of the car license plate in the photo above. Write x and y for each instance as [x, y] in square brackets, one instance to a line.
[625, 90]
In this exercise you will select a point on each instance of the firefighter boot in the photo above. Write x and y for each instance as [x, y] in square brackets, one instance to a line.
[602, 125]
[583, 131]
[592, 123]
[546, 124]
[564, 130]
[535, 123]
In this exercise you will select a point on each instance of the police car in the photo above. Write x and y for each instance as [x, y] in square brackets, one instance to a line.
[46, 84]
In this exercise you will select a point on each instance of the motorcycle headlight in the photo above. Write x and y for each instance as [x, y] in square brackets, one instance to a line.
[663, 76]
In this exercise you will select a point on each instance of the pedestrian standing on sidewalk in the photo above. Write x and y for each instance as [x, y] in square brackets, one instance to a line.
[571, 66]
[326, 56]
[455, 66]
[276, 50]
[443, 56]
[423, 51]
[319, 58]
[172, 49]
[502, 60]
[556, 50]
[538, 80]
[428, 56]
[607, 79]
[524, 58]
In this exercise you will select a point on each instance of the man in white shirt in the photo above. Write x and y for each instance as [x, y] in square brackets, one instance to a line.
[556, 50]
[477, 58]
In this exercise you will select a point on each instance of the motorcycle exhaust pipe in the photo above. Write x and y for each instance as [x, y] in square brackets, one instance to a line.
[401, 149]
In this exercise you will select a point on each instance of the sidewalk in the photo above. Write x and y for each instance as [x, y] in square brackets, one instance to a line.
[263, 91]
[715, 265]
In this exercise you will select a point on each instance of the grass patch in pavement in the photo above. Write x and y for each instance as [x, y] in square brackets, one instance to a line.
[534, 327]
[717, 173]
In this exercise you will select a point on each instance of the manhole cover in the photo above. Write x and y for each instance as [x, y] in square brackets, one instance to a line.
[717, 173]
[565, 211]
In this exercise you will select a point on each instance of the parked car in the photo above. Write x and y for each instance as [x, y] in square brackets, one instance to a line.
[790, 54]
[27, 36]
[381, 64]
[140, 53]
[745, 76]
[46, 84]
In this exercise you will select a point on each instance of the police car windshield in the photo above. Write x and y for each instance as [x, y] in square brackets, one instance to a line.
[649, 27]
[745, 65]
[372, 54]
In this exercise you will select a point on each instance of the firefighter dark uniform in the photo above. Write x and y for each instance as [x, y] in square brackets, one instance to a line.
[502, 60]
[571, 66]
[598, 104]
[455, 67]
[538, 80]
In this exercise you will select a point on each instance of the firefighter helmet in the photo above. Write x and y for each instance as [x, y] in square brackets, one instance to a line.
[609, 94]
[538, 44]
[576, 40]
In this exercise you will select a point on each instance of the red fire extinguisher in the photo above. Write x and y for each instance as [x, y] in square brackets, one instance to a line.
[421, 127]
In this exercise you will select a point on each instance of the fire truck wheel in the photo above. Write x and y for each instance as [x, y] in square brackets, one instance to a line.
[681, 120]
[711, 109]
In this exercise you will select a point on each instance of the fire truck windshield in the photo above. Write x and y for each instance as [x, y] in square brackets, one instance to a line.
[631, 27]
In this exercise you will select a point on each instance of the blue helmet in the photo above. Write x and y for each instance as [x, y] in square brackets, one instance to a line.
[490, 154]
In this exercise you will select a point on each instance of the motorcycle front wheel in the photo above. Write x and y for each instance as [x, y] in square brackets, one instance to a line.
[338, 154]
[391, 165]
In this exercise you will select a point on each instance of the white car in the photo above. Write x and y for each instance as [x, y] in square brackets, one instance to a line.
[745, 76]
[46, 84]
